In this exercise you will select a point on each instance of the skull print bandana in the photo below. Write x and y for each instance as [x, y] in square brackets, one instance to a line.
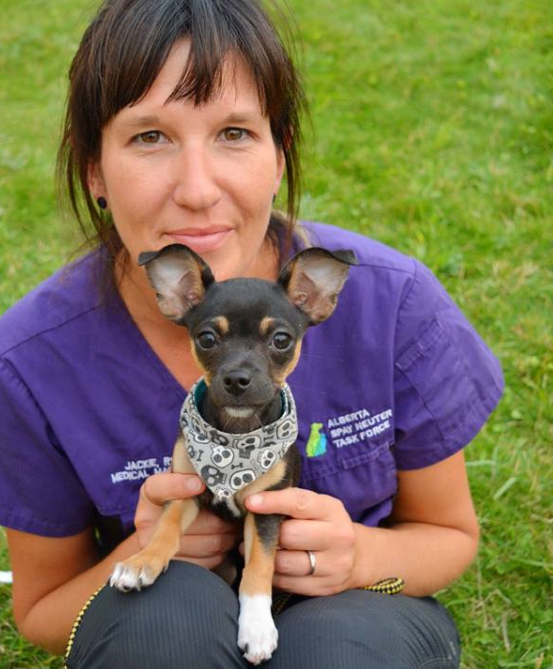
[228, 462]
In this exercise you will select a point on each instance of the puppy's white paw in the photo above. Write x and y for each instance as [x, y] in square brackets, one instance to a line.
[127, 577]
[257, 634]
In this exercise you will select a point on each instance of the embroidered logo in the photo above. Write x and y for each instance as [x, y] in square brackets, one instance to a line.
[316, 444]
[358, 426]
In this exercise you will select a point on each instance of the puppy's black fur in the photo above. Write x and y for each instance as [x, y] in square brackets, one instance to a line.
[246, 337]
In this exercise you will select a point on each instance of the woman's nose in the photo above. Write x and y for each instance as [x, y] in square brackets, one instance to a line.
[196, 187]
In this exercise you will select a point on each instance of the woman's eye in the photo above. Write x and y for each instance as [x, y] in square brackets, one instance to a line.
[282, 341]
[234, 134]
[150, 137]
[207, 340]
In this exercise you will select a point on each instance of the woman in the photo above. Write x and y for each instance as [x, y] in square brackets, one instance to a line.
[182, 120]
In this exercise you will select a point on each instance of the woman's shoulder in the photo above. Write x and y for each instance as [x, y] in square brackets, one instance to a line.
[397, 343]
[369, 252]
[382, 272]
[63, 298]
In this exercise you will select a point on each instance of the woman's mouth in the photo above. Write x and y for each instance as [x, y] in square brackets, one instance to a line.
[200, 240]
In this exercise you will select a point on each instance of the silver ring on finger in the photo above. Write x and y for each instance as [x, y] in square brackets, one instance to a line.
[312, 562]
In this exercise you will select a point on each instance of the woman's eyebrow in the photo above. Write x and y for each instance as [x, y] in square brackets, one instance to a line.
[140, 121]
[152, 120]
[239, 117]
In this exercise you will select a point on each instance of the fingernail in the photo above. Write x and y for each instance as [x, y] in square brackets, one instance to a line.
[255, 500]
[193, 484]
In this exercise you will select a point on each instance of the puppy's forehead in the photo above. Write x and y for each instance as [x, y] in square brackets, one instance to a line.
[248, 304]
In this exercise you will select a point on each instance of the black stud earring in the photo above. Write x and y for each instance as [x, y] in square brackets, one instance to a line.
[274, 197]
[102, 202]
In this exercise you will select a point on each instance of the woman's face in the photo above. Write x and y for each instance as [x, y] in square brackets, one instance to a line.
[202, 176]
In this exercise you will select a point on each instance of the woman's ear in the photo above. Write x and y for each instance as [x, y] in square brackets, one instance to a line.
[281, 165]
[95, 181]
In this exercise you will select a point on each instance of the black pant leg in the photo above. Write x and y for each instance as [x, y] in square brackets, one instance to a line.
[186, 620]
[364, 630]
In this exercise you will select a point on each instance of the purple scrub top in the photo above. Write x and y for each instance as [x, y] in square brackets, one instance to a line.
[396, 379]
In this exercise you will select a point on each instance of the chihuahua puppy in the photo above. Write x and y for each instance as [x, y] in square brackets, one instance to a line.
[238, 423]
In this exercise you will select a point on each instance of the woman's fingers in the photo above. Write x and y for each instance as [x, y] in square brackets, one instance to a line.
[317, 524]
[207, 545]
[208, 523]
[155, 491]
[305, 535]
[294, 502]
[206, 562]
[314, 524]
[160, 488]
[208, 539]
[297, 563]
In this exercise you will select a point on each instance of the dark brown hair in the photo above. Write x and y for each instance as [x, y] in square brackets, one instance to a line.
[121, 54]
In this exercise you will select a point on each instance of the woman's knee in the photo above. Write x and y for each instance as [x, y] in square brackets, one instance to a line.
[186, 619]
[360, 629]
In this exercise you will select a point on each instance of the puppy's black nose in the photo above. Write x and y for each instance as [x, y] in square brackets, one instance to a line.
[237, 381]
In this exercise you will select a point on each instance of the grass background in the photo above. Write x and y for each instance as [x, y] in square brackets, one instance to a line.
[433, 133]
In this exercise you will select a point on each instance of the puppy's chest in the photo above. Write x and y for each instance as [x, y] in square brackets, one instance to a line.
[228, 509]
[232, 507]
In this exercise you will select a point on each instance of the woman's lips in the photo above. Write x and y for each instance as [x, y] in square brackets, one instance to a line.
[201, 241]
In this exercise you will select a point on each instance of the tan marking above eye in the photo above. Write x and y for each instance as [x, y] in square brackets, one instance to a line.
[222, 324]
[266, 324]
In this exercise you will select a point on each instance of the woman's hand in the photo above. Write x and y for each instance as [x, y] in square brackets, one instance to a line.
[318, 523]
[207, 540]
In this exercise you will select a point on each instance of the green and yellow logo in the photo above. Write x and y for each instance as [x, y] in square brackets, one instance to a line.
[316, 444]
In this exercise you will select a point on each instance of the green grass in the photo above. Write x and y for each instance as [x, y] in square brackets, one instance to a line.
[434, 133]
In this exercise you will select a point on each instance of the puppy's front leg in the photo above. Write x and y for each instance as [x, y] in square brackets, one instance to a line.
[142, 569]
[257, 634]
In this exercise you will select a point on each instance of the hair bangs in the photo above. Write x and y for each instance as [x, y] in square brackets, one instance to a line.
[120, 56]
[134, 50]
[215, 43]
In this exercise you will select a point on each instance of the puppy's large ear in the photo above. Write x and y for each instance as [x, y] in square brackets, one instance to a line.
[180, 278]
[314, 278]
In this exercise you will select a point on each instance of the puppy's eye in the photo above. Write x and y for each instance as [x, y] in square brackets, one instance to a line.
[282, 341]
[206, 340]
